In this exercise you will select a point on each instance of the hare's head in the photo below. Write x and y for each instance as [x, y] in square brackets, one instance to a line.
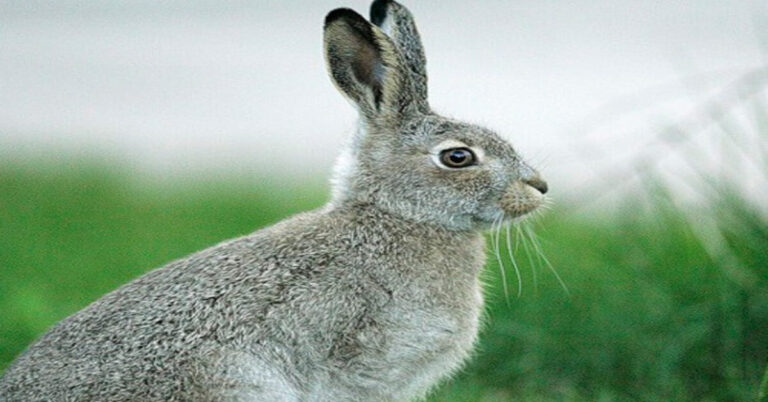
[405, 158]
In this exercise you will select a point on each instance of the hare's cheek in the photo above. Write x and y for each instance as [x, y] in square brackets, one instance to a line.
[520, 199]
[471, 182]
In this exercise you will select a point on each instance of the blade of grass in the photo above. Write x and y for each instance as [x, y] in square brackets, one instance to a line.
[762, 395]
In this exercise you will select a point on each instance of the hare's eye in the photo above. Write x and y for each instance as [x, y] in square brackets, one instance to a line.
[457, 157]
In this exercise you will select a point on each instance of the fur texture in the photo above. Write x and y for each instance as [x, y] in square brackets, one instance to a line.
[374, 297]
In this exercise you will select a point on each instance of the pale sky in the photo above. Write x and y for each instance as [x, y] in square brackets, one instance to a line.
[187, 87]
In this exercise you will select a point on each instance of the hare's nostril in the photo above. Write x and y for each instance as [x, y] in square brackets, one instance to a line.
[538, 184]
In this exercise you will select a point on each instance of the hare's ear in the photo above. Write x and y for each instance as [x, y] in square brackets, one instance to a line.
[367, 67]
[397, 22]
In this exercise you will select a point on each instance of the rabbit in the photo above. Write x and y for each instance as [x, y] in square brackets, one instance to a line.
[373, 297]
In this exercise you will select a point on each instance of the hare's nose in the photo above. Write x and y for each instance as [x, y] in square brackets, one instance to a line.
[538, 184]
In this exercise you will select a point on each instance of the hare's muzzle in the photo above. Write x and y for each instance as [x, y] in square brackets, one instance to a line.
[523, 197]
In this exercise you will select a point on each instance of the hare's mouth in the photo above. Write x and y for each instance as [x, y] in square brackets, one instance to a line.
[520, 199]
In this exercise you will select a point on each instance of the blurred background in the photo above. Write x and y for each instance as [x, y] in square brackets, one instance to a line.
[135, 132]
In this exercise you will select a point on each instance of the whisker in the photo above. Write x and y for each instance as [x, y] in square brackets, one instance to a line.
[537, 247]
[514, 263]
[497, 249]
[529, 254]
[527, 232]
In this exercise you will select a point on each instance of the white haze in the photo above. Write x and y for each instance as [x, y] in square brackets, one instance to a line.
[188, 87]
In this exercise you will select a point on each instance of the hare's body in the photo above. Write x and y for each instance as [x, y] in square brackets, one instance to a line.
[375, 297]
[346, 304]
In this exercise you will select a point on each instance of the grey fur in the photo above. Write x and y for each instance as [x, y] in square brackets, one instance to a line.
[373, 297]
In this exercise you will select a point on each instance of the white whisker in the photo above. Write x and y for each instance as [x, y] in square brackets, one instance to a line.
[514, 263]
[496, 228]
[537, 247]
[529, 254]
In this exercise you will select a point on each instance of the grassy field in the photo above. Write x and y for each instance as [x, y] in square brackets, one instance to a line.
[659, 308]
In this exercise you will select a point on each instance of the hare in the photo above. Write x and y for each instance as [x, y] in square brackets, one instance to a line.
[374, 297]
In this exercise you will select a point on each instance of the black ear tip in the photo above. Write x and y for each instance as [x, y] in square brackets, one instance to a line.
[379, 11]
[342, 13]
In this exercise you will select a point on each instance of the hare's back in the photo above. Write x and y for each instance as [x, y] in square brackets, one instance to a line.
[167, 333]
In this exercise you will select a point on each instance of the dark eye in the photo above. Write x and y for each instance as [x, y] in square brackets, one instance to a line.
[457, 157]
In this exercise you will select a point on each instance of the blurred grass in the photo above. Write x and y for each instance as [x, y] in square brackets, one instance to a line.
[653, 313]
[71, 232]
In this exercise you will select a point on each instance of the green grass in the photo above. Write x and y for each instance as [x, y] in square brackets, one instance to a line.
[654, 313]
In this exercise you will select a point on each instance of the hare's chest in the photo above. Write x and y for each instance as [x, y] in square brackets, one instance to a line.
[428, 341]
